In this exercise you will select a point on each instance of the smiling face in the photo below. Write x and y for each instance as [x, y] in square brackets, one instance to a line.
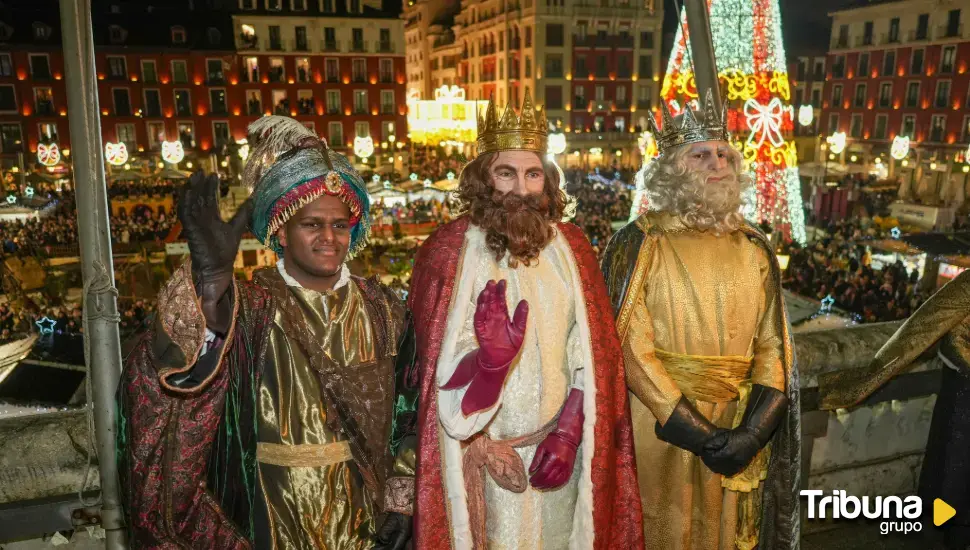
[315, 240]
[518, 172]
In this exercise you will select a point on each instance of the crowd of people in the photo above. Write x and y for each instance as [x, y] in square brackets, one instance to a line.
[838, 268]
[416, 211]
[18, 322]
[59, 228]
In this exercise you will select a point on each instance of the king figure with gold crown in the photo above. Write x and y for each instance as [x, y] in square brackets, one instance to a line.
[707, 346]
[524, 431]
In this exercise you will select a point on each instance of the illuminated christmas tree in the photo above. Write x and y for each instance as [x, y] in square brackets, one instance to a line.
[754, 80]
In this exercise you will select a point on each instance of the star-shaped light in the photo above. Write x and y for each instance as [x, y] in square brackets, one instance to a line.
[46, 325]
[895, 232]
[413, 176]
[29, 191]
[427, 182]
[451, 176]
[375, 178]
[827, 304]
[11, 199]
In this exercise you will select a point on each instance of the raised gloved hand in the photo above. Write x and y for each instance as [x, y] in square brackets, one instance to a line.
[730, 451]
[686, 428]
[499, 339]
[394, 533]
[213, 245]
[555, 457]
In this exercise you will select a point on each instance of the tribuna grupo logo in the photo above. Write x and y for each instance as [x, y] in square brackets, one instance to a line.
[899, 514]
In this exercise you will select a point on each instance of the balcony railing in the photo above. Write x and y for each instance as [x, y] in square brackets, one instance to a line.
[329, 46]
[360, 110]
[949, 31]
[385, 47]
[301, 45]
[918, 34]
[220, 110]
[358, 46]
[255, 108]
[841, 42]
[387, 78]
[333, 110]
[153, 110]
[122, 110]
[863, 41]
[889, 38]
[387, 109]
[359, 77]
[276, 45]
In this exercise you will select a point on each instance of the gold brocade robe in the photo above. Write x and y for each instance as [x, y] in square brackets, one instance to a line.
[313, 507]
[697, 294]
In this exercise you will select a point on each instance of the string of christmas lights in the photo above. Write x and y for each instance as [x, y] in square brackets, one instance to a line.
[754, 78]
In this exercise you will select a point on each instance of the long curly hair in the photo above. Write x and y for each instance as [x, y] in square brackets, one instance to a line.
[523, 226]
[671, 186]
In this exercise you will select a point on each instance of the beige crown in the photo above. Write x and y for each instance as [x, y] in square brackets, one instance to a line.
[713, 127]
[512, 132]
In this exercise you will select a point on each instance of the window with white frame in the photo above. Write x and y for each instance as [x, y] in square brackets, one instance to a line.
[153, 103]
[860, 96]
[178, 35]
[387, 71]
[360, 102]
[332, 69]
[11, 137]
[254, 102]
[6, 65]
[180, 71]
[335, 134]
[220, 133]
[305, 104]
[947, 58]
[912, 94]
[183, 103]
[362, 129]
[156, 134]
[833, 123]
[122, 101]
[387, 130]
[942, 97]
[44, 101]
[937, 128]
[837, 96]
[908, 126]
[47, 132]
[855, 128]
[217, 101]
[880, 130]
[126, 134]
[303, 69]
[149, 73]
[277, 72]
[387, 102]
[916, 61]
[333, 102]
[281, 103]
[40, 65]
[186, 131]
[885, 94]
[117, 67]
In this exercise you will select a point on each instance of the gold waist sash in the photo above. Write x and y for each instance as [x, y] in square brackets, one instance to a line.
[312, 456]
[714, 379]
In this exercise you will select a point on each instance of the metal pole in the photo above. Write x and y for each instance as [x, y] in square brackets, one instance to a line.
[100, 299]
[702, 50]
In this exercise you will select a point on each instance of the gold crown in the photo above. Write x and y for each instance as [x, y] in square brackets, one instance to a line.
[713, 127]
[512, 132]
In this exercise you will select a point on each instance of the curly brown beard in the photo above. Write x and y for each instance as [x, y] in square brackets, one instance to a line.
[522, 226]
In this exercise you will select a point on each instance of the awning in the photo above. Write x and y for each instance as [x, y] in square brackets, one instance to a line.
[941, 244]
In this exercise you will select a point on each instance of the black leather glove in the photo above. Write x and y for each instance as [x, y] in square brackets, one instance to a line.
[394, 533]
[686, 428]
[213, 245]
[730, 452]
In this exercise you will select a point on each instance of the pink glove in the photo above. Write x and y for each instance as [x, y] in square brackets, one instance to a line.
[499, 341]
[555, 457]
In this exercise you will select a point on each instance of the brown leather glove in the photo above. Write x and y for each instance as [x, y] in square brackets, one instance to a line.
[213, 245]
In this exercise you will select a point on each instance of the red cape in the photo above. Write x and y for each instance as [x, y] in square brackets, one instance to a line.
[616, 497]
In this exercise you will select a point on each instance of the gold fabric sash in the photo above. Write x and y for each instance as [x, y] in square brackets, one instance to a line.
[714, 379]
[312, 456]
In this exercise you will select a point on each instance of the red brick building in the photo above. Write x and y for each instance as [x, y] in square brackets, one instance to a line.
[900, 68]
[200, 72]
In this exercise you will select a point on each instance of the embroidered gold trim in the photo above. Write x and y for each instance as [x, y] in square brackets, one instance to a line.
[636, 284]
[311, 456]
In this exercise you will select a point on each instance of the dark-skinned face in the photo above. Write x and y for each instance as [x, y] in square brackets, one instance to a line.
[316, 239]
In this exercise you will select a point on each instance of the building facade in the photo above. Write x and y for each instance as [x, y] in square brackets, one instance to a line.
[900, 68]
[202, 71]
[592, 66]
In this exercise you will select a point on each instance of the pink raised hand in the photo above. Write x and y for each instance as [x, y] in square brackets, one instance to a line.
[499, 340]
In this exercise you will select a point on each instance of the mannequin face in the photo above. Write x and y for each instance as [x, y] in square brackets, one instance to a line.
[708, 156]
[518, 172]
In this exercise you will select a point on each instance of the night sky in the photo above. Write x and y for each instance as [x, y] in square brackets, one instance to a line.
[806, 25]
